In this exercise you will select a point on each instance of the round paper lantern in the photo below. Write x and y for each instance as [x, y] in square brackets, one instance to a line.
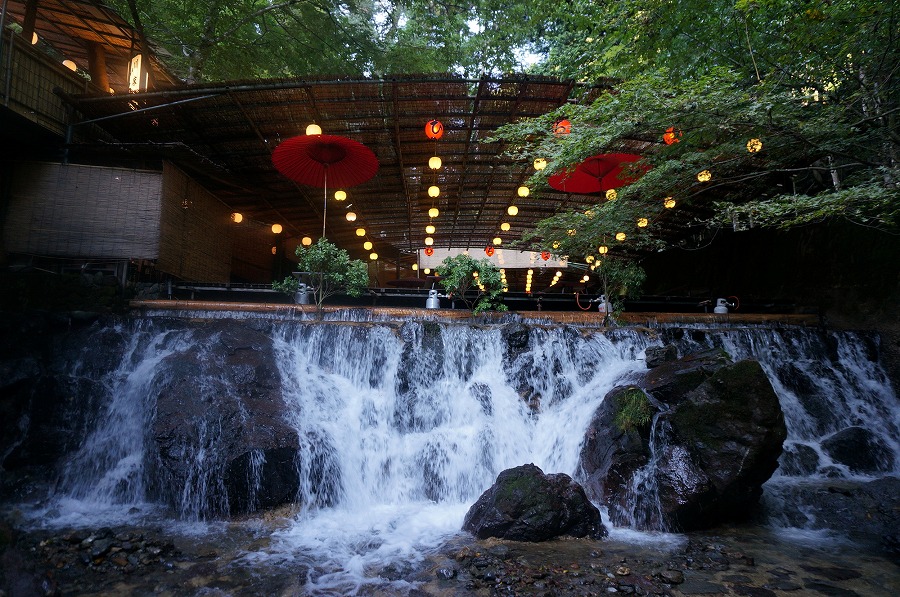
[427, 271]
[603, 249]
[545, 255]
[671, 136]
[314, 129]
[434, 163]
[306, 241]
[433, 212]
[589, 259]
[704, 176]
[373, 256]
[562, 127]
[523, 191]
[754, 145]
[237, 218]
[498, 241]
[70, 65]
[367, 245]
[276, 228]
[415, 267]
[611, 195]
[512, 210]
[430, 229]
[429, 241]
[489, 251]
[434, 191]
[340, 195]
[571, 232]
[669, 202]
[351, 217]
[540, 164]
[620, 236]
[642, 222]
[434, 129]
[428, 251]
[505, 226]
[274, 250]
[555, 244]
[360, 232]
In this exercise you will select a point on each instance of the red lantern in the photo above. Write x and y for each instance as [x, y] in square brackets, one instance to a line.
[489, 250]
[434, 129]
[429, 251]
[545, 255]
[562, 127]
[671, 136]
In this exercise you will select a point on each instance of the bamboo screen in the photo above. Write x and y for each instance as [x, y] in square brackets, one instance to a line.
[252, 260]
[83, 211]
[194, 230]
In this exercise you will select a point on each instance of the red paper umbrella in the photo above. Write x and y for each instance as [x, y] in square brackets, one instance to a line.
[597, 174]
[320, 160]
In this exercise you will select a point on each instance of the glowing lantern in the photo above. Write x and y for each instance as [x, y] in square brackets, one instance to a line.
[585, 278]
[367, 245]
[642, 222]
[489, 250]
[314, 129]
[429, 241]
[555, 244]
[306, 241]
[620, 236]
[562, 127]
[237, 218]
[434, 129]
[434, 191]
[545, 255]
[274, 250]
[434, 163]
[433, 212]
[360, 232]
[603, 249]
[571, 232]
[504, 226]
[428, 251]
[704, 176]
[276, 228]
[671, 136]
[340, 195]
[427, 271]
[669, 203]
[430, 229]
[70, 65]
[415, 267]
[589, 259]
[754, 145]
[589, 214]
[523, 191]
[498, 241]
[351, 217]
[512, 210]
[373, 256]
[540, 164]
[611, 195]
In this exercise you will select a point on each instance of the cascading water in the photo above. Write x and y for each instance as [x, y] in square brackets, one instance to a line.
[401, 426]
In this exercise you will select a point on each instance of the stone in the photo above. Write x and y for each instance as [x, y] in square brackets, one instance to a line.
[526, 505]
[859, 449]
[657, 355]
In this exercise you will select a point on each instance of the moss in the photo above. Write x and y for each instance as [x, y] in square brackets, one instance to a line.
[634, 410]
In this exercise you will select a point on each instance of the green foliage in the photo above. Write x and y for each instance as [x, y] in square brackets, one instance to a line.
[634, 411]
[458, 278]
[329, 270]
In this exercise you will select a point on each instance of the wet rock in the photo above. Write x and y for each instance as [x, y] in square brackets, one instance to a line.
[672, 577]
[798, 460]
[526, 505]
[860, 450]
[657, 355]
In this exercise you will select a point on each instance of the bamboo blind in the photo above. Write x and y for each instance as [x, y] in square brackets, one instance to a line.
[194, 230]
[83, 211]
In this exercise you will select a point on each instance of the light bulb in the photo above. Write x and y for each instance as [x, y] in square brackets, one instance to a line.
[314, 129]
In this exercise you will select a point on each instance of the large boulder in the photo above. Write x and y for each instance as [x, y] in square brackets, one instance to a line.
[693, 459]
[860, 450]
[526, 505]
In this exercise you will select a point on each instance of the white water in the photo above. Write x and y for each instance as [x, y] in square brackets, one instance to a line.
[403, 427]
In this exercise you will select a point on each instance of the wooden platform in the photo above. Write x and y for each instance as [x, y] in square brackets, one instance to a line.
[289, 311]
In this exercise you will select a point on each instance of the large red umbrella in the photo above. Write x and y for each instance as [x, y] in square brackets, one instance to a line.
[597, 174]
[322, 160]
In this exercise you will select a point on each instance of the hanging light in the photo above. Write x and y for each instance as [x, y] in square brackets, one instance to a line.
[540, 164]
[434, 163]
[669, 203]
[415, 267]
[276, 228]
[603, 249]
[585, 278]
[430, 229]
[237, 218]
[671, 136]
[512, 210]
[498, 241]
[34, 38]
[562, 127]
[589, 259]
[426, 271]
[314, 129]
[522, 191]
[642, 222]
[571, 232]
[504, 226]
[433, 212]
[545, 255]
[434, 191]
[360, 232]
[754, 145]
[373, 256]
[274, 250]
[351, 216]
[428, 251]
[306, 241]
[434, 129]
[555, 244]
[340, 195]
[704, 176]
[611, 195]
[70, 65]
[367, 245]
[489, 251]
[429, 241]
[620, 236]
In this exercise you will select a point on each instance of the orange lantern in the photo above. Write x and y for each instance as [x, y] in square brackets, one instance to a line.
[429, 251]
[545, 255]
[671, 136]
[562, 127]
[434, 129]
[489, 250]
